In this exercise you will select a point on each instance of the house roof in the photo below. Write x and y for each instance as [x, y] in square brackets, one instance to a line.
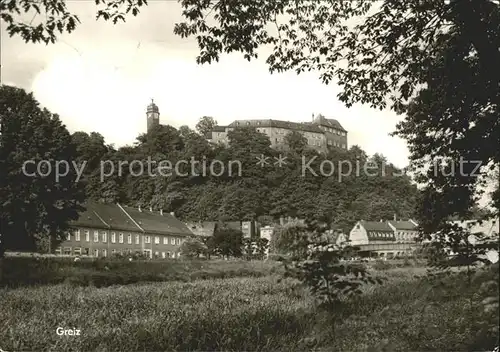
[323, 121]
[219, 129]
[297, 126]
[113, 216]
[89, 218]
[376, 226]
[403, 225]
[156, 223]
[234, 225]
[203, 228]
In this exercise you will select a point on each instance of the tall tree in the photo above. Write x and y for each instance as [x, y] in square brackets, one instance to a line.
[36, 202]
[205, 125]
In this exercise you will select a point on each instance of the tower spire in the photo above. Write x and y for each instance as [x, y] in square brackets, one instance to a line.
[152, 115]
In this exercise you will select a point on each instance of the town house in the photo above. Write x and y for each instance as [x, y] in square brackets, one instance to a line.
[106, 229]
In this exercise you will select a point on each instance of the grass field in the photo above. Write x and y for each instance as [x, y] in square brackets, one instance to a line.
[407, 313]
[26, 271]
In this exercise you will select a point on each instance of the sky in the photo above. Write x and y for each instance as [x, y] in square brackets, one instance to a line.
[102, 76]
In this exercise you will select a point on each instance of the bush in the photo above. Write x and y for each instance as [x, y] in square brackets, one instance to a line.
[381, 265]
[23, 271]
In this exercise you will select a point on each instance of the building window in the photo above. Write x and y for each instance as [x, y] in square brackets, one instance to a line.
[165, 240]
[178, 241]
[168, 255]
[105, 237]
[67, 250]
[58, 251]
[129, 239]
[113, 237]
[96, 236]
[95, 252]
[137, 239]
[86, 251]
[68, 236]
[147, 239]
[157, 240]
[120, 238]
[104, 253]
[163, 255]
[172, 240]
[77, 251]
[157, 254]
[113, 251]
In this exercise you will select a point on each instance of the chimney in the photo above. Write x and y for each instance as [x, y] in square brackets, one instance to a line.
[161, 211]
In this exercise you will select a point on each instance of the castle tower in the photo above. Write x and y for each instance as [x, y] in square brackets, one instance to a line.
[152, 115]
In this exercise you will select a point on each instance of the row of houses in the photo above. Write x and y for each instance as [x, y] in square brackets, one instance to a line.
[103, 230]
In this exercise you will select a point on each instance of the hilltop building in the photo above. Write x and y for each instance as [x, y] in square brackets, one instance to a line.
[321, 134]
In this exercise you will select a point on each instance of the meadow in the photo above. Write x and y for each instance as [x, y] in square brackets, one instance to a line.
[409, 312]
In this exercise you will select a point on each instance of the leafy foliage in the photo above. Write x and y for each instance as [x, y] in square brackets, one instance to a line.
[193, 247]
[255, 248]
[318, 264]
[205, 125]
[33, 206]
[57, 18]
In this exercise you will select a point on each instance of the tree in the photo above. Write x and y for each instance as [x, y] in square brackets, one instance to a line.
[377, 60]
[60, 19]
[452, 126]
[435, 60]
[205, 124]
[296, 142]
[35, 206]
[228, 242]
[193, 247]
